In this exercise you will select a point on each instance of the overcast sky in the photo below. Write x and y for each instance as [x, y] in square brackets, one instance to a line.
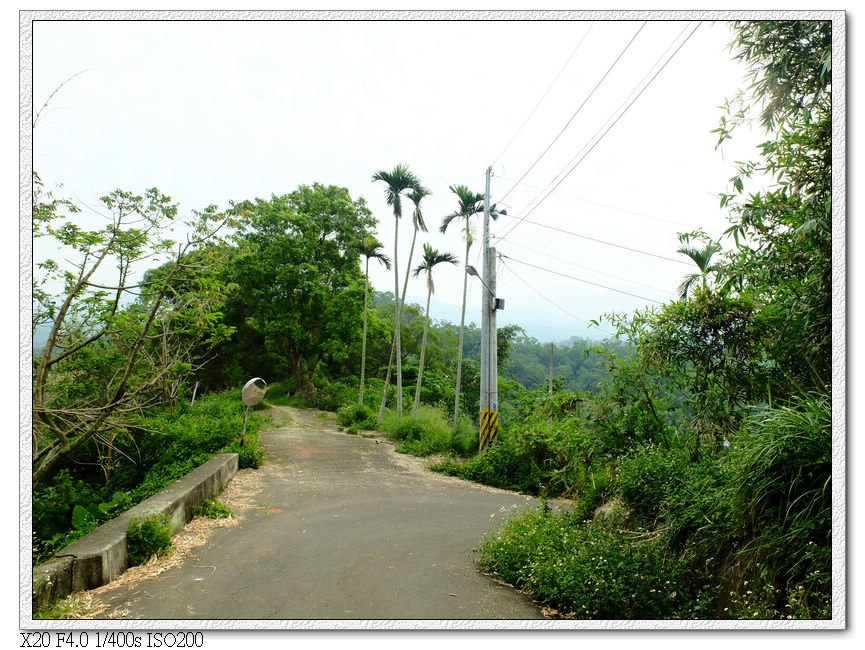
[215, 111]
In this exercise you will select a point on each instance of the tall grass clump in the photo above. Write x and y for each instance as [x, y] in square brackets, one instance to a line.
[429, 432]
[782, 486]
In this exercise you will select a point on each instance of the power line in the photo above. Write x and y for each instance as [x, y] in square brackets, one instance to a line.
[608, 206]
[598, 241]
[557, 306]
[572, 277]
[568, 123]
[616, 277]
[544, 96]
[620, 115]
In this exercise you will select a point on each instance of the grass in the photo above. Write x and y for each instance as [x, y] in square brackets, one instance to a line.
[213, 509]
[428, 433]
[146, 537]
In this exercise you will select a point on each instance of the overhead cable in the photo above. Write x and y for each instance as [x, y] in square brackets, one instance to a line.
[615, 277]
[554, 304]
[614, 122]
[607, 205]
[571, 119]
[544, 96]
[598, 241]
[572, 277]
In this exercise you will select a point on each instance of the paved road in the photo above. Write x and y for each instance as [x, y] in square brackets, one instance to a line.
[342, 527]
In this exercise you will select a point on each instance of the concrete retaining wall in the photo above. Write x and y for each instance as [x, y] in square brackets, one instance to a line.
[100, 556]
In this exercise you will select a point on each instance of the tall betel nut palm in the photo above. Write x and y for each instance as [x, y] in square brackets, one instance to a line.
[470, 204]
[399, 180]
[416, 195]
[431, 258]
[371, 248]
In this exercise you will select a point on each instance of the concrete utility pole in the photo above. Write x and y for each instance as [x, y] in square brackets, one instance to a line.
[489, 416]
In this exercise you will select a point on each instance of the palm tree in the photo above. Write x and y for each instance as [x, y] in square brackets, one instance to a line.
[416, 195]
[399, 180]
[370, 249]
[431, 258]
[470, 204]
[702, 257]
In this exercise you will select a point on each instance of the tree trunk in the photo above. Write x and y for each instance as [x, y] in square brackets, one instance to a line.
[397, 318]
[296, 372]
[363, 347]
[386, 384]
[422, 354]
[309, 388]
[462, 326]
[393, 345]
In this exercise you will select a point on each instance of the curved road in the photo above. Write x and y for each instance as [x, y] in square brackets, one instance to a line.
[342, 527]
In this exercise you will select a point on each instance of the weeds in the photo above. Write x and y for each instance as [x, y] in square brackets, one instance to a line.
[146, 537]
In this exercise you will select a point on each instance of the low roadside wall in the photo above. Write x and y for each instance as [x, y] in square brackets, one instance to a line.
[100, 556]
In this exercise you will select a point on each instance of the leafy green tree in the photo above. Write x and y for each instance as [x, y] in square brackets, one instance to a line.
[299, 284]
[431, 259]
[783, 237]
[469, 204]
[99, 363]
[398, 181]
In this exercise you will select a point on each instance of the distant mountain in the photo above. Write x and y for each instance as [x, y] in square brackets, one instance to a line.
[546, 327]
[40, 337]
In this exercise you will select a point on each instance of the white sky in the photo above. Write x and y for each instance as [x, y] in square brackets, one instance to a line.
[214, 111]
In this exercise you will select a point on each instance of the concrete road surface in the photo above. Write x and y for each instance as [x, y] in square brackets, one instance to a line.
[342, 527]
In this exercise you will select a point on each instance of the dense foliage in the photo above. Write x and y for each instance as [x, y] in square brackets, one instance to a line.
[701, 469]
[159, 446]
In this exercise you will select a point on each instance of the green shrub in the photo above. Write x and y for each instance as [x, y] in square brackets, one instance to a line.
[331, 395]
[279, 393]
[146, 537]
[590, 572]
[597, 489]
[699, 513]
[250, 455]
[502, 465]
[356, 416]
[466, 438]
[429, 432]
[212, 509]
[646, 477]
[165, 445]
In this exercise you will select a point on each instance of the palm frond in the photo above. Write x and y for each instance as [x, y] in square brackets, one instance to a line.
[398, 180]
[371, 249]
[686, 285]
[416, 195]
[470, 204]
[446, 221]
[432, 258]
[701, 256]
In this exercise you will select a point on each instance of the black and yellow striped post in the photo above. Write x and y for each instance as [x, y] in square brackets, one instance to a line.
[489, 427]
